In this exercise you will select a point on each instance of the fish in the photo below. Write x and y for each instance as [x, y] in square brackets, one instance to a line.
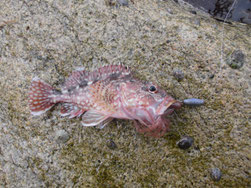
[107, 93]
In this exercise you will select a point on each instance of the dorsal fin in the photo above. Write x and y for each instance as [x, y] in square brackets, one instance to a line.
[80, 77]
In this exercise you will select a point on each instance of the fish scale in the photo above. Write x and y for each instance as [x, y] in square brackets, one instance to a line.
[100, 95]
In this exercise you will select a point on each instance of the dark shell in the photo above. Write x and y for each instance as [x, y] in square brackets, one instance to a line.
[185, 142]
[111, 144]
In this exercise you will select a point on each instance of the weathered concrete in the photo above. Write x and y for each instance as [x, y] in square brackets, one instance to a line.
[49, 39]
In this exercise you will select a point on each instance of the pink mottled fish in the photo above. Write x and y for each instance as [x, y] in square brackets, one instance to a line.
[104, 94]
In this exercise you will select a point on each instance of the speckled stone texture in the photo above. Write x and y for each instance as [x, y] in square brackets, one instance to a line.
[49, 39]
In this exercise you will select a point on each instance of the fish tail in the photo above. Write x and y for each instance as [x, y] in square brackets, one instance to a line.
[41, 97]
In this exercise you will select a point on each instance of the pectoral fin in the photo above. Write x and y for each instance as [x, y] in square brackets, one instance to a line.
[93, 118]
[104, 123]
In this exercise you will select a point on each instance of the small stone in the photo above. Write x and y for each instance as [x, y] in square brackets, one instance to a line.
[123, 2]
[215, 26]
[178, 74]
[169, 10]
[62, 136]
[236, 60]
[211, 76]
[111, 144]
[216, 174]
[110, 2]
[193, 12]
[185, 142]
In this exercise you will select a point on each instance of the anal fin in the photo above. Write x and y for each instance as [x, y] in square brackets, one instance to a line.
[69, 109]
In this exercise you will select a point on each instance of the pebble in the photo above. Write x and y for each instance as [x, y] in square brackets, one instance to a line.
[110, 2]
[169, 10]
[236, 60]
[185, 142]
[193, 12]
[178, 74]
[111, 144]
[193, 102]
[216, 174]
[62, 136]
[215, 26]
[211, 76]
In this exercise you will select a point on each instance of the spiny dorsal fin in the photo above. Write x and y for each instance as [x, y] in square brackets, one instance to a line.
[77, 78]
[80, 77]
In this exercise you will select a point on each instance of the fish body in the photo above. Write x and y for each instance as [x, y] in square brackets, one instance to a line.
[104, 94]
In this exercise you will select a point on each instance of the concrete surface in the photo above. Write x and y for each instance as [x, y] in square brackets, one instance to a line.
[50, 38]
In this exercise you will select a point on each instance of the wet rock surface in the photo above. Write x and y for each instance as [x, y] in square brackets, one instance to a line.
[240, 10]
[49, 39]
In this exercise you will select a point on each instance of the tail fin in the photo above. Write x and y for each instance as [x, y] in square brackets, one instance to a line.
[40, 97]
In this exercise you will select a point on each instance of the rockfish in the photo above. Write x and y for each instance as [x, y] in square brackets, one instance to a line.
[104, 94]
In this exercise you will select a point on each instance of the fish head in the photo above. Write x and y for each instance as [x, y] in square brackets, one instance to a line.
[147, 103]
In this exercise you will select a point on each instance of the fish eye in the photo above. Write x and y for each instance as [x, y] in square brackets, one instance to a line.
[152, 89]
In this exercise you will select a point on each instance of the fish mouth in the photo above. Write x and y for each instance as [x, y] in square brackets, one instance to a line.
[167, 106]
[154, 123]
[153, 114]
[172, 107]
